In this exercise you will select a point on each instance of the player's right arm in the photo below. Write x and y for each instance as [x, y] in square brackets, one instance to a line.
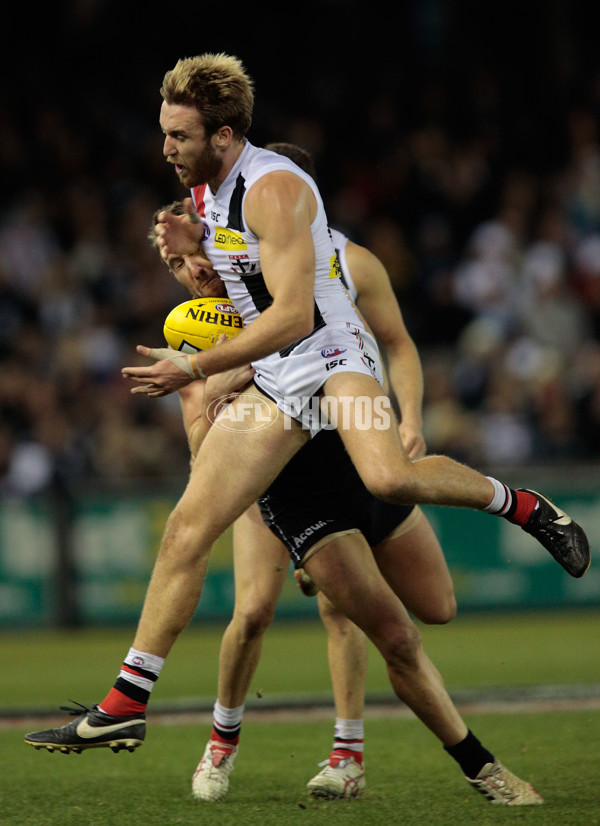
[279, 208]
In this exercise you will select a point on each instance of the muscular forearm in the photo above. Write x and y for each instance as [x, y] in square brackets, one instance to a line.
[406, 382]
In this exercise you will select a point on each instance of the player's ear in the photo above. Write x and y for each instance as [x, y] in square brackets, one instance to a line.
[222, 137]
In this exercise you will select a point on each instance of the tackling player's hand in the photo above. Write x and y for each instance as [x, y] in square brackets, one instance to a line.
[224, 386]
[412, 441]
[171, 371]
[179, 234]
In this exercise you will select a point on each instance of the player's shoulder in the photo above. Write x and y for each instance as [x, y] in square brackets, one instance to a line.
[360, 257]
[276, 181]
[267, 173]
[260, 162]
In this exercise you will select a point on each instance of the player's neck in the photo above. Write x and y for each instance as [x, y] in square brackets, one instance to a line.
[230, 157]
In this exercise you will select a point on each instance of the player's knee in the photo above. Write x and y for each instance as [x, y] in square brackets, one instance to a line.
[403, 647]
[184, 544]
[441, 612]
[254, 619]
[391, 485]
[448, 610]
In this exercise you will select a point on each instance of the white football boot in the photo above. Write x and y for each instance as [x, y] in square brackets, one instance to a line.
[342, 777]
[503, 788]
[211, 778]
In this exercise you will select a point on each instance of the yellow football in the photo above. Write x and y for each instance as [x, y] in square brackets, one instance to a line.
[198, 324]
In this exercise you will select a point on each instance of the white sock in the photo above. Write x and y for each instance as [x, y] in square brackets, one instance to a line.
[502, 499]
[140, 659]
[227, 721]
[349, 734]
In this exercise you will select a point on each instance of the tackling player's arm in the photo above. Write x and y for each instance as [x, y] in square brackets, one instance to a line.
[197, 401]
[378, 304]
[279, 209]
[195, 421]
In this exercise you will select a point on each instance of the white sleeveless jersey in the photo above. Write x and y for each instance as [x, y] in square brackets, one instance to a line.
[338, 342]
[233, 248]
[340, 242]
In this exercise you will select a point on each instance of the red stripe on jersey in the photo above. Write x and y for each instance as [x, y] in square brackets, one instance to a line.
[198, 198]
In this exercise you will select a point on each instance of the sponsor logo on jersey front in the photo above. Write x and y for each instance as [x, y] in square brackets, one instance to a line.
[330, 352]
[227, 239]
[335, 270]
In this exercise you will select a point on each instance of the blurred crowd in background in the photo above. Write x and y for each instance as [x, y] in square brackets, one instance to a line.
[471, 170]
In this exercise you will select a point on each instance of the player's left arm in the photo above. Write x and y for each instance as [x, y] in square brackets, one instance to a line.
[378, 304]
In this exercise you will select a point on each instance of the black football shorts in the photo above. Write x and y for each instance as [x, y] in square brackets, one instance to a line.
[319, 494]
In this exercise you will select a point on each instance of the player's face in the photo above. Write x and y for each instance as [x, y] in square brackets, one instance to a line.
[196, 274]
[187, 146]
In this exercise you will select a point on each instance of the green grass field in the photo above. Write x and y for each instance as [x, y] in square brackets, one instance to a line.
[410, 780]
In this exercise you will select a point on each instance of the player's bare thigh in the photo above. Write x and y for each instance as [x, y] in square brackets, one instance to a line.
[375, 450]
[413, 563]
[237, 461]
[347, 574]
[260, 562]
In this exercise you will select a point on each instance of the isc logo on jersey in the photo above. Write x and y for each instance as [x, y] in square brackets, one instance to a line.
[226, 239]
[198, 324]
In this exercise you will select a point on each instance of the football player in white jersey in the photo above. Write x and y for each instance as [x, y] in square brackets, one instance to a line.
[265, 230]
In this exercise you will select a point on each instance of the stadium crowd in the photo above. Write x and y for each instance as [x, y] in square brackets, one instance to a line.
[480, 193]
